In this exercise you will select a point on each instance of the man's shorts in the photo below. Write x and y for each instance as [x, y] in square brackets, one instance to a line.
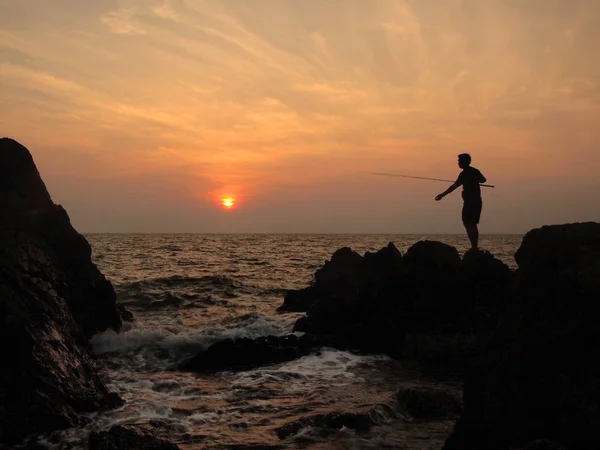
[471, 212]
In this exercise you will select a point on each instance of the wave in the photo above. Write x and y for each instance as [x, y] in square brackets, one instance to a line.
[160, 347]
[180, 291]
[182, 280]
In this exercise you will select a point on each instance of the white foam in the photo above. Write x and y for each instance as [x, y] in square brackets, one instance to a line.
[251, 326]
[327, 366]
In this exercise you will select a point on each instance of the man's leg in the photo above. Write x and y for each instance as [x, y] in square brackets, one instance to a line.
[470, 216]
[473, 233]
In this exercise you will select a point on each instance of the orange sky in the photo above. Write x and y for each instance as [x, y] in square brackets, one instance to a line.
[141, 115]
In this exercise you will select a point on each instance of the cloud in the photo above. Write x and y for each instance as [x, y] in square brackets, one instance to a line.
[259, 97]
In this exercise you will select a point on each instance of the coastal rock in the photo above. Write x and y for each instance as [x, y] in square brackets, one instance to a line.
[299, 300]
[354, 294]
[539, 374]
[433, 255]
[52, 299]
[244, 353]
[431, 403]
[428, 305]
[543, 444]
[359, 420]
[121, 437]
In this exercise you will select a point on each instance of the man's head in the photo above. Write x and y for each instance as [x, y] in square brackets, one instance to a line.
[464, 160]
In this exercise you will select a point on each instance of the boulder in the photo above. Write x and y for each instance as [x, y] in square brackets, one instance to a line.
[328, 423]
[52, 299]
[428, 304]
[299, 300]
[353, 292]
[245, 353]
[538, 376]
[433, 255]
[430, 403]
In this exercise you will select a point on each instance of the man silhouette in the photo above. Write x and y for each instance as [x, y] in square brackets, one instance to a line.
[469, 178]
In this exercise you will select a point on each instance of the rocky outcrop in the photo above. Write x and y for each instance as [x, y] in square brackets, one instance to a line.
[536, 383]
[334, 421]
[244, 353]
[299, 300]
[428, 402]
[52, 299]
[429, 305]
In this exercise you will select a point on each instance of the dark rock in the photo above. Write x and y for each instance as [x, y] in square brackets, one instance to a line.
[353, 296]
[126, 437]
[387, 260]
[429, 304]
[539, 374]
[544, 444]
[434, 255]
[125, 314]
[52, 299]
[360, 420]
[299, 300]
[246, 353]
[430, 403]
[28, 213]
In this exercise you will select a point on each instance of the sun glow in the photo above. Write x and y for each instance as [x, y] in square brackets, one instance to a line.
[228, 202]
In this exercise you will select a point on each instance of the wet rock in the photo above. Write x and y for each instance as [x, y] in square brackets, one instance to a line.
[125, 437]
[539, 375]
[125, 314]
[433, 255]
[429, 304]
[354, 292]
[430, 403]
[299, 300]
[335, 421]
[244, 353]
[52, 299]
[544, 444]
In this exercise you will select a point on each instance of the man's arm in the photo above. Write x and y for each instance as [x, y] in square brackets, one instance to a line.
[456, 184]
[482, 179]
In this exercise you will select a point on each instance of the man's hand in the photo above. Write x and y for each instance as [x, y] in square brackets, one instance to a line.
[439, 197]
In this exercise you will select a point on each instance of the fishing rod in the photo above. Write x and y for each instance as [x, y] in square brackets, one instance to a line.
[418, 178]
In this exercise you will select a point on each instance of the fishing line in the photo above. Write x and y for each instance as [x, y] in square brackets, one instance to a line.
[418, 178]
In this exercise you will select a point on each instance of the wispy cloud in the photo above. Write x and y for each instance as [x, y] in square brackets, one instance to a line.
[244, 94]
[123, 21]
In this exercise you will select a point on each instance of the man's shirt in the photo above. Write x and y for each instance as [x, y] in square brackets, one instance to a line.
[470, 179]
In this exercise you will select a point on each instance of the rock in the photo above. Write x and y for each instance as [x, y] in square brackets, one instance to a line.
[539, 374]
[125, 314]
[299, 300]
[27, 211]
[359, 420]
[52, 299]
[430, 403]
[344, 278]
[483, 285]
[126, 437]
[246, 353]
[344, 262]
[556, 244]
[353, 291]
[429, 304]
[434, 255]
[388, 260]
[544, 444]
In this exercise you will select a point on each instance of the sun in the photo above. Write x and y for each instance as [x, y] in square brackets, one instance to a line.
[228, 202]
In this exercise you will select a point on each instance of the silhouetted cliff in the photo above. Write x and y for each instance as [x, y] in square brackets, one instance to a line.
[52, 299]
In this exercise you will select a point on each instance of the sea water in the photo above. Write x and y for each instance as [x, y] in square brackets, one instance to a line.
[188, 291]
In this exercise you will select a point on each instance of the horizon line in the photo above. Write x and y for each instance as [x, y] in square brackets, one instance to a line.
[291, 233]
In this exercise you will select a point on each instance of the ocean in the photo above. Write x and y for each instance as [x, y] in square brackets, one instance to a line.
[188, 291]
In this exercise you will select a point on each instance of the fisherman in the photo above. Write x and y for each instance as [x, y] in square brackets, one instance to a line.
[469, 178]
